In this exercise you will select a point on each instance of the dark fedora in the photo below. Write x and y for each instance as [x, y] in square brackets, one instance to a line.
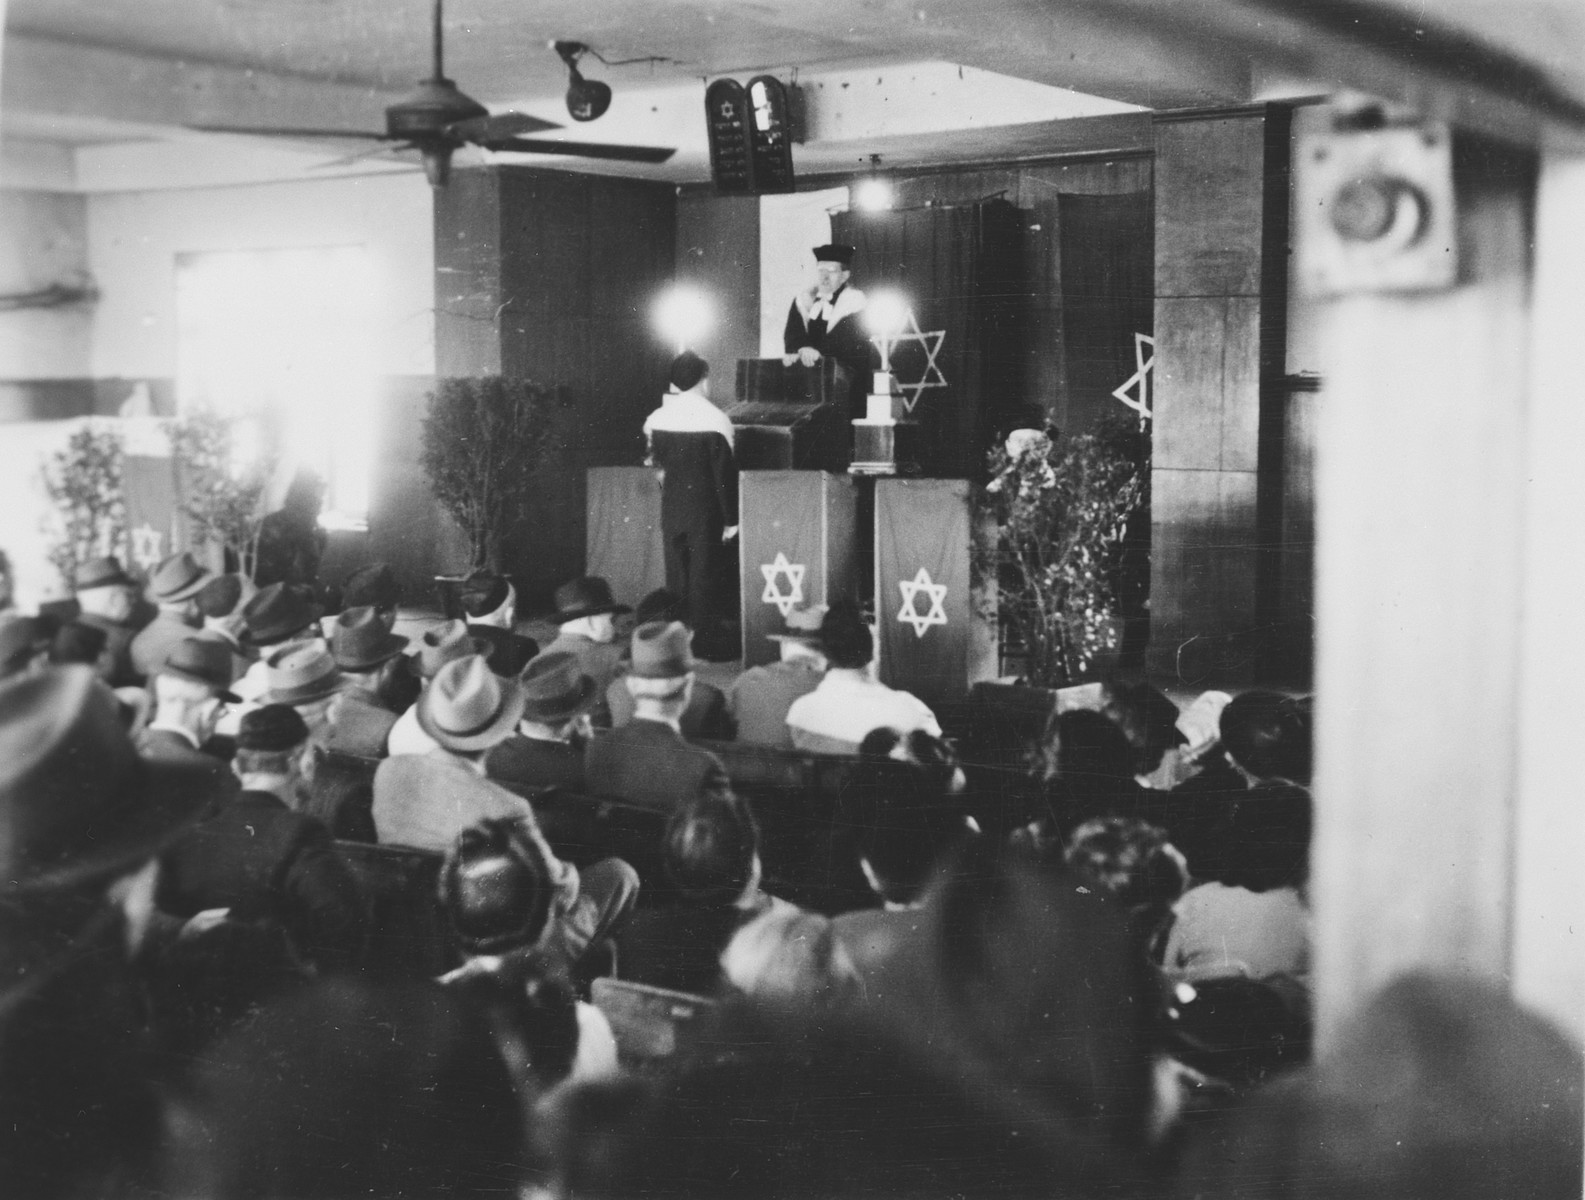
[105, 571]
[276, 613]
[177, 578]
[300, 674]
[373, 586]
[220, 596]
[272, 729]
[77, 803]
[661, 651]
[205, 660]
[75, 642]
[362, 641]
[555, 690]
[586, 597]
[468, 707]
[20, 639]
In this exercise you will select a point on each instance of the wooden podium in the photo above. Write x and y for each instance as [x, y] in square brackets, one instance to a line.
[798, 543]
[924, 613]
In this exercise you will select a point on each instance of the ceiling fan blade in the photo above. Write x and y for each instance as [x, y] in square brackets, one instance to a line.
[642, 154]
[500, 125]
[282, 131]
[389, 153]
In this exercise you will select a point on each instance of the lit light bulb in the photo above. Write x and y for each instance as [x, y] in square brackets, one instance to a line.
[872, 194]
[886, 313]
[683, 314]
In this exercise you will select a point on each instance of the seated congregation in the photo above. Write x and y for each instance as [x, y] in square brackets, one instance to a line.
[298, 904]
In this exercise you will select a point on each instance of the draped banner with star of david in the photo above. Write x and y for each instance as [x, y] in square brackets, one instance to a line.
[959, 361]
[922, 602]
[797, 545]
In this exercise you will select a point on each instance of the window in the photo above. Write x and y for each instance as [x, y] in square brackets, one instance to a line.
[282, 340]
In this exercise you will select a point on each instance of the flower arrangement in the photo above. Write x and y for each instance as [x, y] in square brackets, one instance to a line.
[1058, 509]
[484, 439]
[223, 492]
[83, 481]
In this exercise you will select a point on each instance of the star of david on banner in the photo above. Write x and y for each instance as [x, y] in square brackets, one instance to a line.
[793, 573]
[909, 613]
[147, 546]
[1140, 378]
[930, 376]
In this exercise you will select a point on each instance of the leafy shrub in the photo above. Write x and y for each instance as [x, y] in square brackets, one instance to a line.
[84, 484]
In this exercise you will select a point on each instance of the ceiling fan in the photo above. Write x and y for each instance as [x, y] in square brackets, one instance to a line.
[437, 119]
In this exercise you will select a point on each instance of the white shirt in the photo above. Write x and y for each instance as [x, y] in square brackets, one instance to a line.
[688, 412]
[848, 704]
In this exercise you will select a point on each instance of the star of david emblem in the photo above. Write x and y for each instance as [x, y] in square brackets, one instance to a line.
[909, 614]
[147, 546]
[1140, 378]
[793, 573]
[930, 376]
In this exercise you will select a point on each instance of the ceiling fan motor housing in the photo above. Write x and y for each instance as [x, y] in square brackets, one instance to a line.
[435, 105]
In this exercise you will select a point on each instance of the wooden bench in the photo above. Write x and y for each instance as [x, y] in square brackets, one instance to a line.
[652, 1024]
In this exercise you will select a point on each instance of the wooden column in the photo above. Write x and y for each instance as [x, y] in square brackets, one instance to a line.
[1420, 507]
[1221, 257]
[550, 276]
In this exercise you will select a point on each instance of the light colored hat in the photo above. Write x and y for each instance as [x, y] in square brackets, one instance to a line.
[301, 673]
[177, 578]
[444, 644]
[661, 650]
[468, 707]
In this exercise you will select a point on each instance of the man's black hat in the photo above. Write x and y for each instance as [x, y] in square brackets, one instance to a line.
[834, 252]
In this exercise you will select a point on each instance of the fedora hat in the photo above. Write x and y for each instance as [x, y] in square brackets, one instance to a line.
[362, 640]
[177, 578]
[468, 707]
[77, 803]
[555, 689]
[20, 639]
[804, 624]
[276, 613]
[105, 571]
[205, 660]
[373, 586]
[75, 642]
[220, 596]
[445, 643]
[586, 597]
[660, 651]
[299, 674]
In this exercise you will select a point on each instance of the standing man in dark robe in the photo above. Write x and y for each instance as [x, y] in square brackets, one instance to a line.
[827, 321]
[690, 442]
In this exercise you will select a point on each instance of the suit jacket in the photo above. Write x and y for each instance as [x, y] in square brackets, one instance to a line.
[426, 800]
[262, 860]
[760, 699]
[531, 762]
[163, 745]
[840, 336]
[358, 724]
[115, 660]
[156, 640]
[508, 652]
[690, 440]
[678, 946]
[648, 763]
[705, 717]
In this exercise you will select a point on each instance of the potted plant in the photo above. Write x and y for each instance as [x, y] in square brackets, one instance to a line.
[83, 482]
[484, 438]
[223, 493]
[1056, 513]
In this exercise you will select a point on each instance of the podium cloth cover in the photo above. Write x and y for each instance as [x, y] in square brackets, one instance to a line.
[798, 542]
[923, 607]
[623, 540]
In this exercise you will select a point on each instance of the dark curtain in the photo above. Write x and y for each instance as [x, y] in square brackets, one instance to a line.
[1107, 280]
[961, 269]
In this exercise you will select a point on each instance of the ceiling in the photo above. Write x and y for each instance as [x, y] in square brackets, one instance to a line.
[87, 74]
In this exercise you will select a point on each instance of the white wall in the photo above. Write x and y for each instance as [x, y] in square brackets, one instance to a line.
[134, 238]
[790, 227]
[43, 241]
